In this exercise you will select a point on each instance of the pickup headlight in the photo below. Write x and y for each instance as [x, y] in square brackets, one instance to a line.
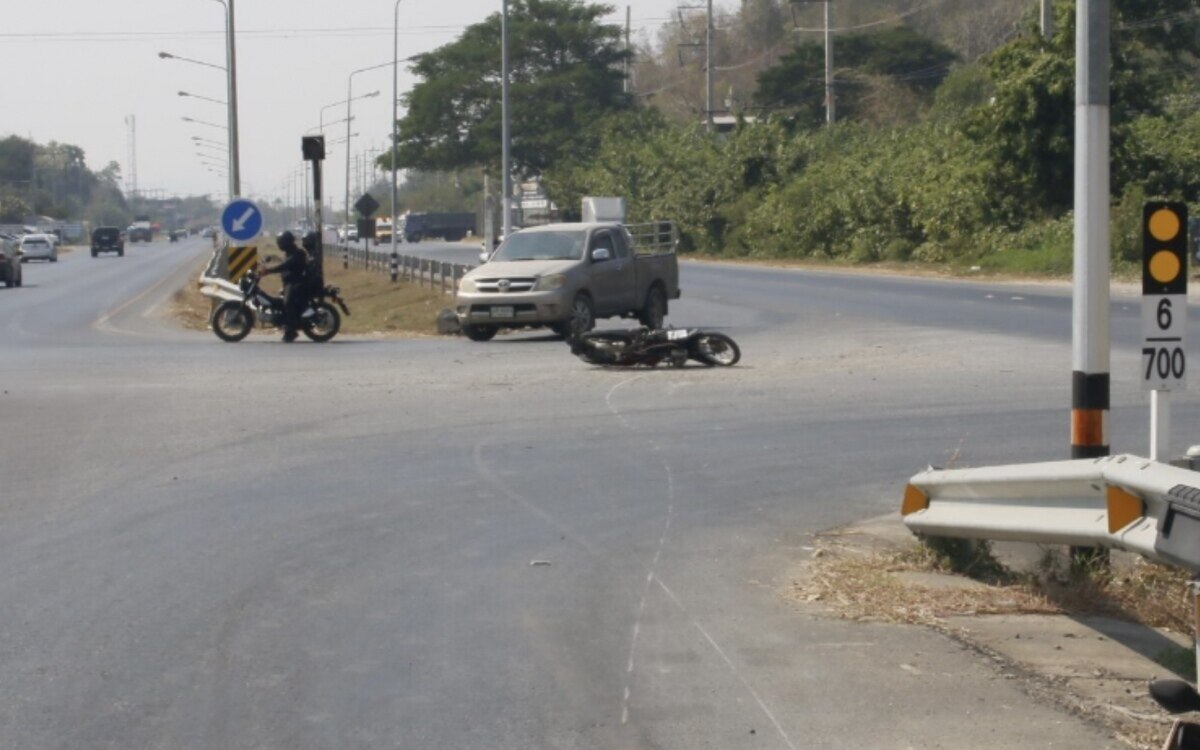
[550, 282]
[466, 285]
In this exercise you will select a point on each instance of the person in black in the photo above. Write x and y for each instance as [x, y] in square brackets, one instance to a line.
[293, 271]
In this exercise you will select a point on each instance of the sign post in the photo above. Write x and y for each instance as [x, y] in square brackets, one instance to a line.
[366, 207]
[1164, 314]
[313, 148]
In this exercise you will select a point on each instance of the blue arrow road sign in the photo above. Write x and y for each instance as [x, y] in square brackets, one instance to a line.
[242, 220]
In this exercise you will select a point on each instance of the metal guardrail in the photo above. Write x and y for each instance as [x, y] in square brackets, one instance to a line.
[1119, 502]
[412, 268]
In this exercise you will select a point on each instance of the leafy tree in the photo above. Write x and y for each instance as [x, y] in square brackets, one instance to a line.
[566, 76]
[898, 56]
[1029, 127]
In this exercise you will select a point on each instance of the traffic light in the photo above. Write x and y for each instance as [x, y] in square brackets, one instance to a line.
[313, 147]
[1164, 248]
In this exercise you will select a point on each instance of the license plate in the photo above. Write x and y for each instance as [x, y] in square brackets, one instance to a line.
[502, 311]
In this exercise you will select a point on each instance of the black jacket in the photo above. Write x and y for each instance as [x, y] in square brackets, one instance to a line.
[293, 269]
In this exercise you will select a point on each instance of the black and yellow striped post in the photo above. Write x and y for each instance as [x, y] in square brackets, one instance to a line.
[241, 259]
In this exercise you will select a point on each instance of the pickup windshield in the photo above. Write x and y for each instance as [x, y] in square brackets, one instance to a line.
[542, 246]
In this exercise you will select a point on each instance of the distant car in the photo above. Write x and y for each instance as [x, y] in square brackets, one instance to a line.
[108, 240]
[207, 232]
[10, 261]
[38, 247]
[352, 234]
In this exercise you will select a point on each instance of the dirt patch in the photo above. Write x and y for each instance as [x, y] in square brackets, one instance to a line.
[922, 585]
[377, 306]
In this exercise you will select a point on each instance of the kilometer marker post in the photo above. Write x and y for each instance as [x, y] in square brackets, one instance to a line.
[1164, 314]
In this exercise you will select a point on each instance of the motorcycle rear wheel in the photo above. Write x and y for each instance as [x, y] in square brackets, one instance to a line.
[324, 324]
[716, 350]
[232, 321]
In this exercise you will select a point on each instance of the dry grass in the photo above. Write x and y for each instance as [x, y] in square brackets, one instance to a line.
[377, 306]
[873, 587]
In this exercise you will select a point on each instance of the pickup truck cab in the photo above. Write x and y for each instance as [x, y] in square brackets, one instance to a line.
[565, 276]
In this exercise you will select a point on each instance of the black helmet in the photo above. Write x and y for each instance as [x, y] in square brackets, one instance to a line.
[310, 241]
[286, 241]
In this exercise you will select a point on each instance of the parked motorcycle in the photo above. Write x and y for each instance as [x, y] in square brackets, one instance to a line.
[233, 319]
[652, 346]
[1178, 697]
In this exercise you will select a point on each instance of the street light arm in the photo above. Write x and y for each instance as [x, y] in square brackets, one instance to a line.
[169, 56]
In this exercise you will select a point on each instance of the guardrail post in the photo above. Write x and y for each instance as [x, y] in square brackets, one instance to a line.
[1194, 591]
[442, 268]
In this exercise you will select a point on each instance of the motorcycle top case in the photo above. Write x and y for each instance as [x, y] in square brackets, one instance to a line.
[1179, 532]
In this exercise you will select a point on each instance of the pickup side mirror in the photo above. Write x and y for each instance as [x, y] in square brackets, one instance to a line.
[483, 256]
[601, 254]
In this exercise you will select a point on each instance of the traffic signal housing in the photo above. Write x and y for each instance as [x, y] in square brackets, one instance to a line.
[1164, 248]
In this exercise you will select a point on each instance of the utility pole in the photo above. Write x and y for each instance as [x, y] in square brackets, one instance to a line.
[708, 68]
[628, 88]
[829, 100]
[131, 180]
[1047, 16]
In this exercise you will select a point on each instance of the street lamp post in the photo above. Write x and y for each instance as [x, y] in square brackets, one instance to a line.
[393, 265]
[235, 184]
[505, 134]
[349, 101]
[231, 106]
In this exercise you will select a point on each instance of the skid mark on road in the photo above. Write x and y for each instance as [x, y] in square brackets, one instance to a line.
[487, 473]
[728, 662]
[662, 541]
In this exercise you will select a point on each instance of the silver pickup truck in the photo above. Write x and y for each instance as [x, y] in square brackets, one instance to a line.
[566, 275]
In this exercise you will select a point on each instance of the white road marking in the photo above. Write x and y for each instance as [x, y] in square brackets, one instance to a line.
[662, 541]
[729, 663]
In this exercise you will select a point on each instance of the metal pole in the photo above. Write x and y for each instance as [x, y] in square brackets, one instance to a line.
[1047, 18]
[1160, 425]
[708, 69]
[628, 31]
[505, 135]
[829, 99]
[318, 199]
[349, 97]
[395, 127]
[235, 168]
[1091, 347]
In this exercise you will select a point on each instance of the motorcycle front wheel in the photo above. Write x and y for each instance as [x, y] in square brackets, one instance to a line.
[715, 350]
[232, 321]
[323, 324]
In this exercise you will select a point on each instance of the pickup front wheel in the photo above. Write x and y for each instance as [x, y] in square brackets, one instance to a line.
[480, 333]
[583, 318]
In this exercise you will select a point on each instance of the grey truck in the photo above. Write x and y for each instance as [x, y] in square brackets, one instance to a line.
[565, 276]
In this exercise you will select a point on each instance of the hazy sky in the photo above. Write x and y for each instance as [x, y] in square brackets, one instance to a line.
[73, 70]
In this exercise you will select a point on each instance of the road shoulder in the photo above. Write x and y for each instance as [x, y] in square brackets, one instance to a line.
[1091, 665]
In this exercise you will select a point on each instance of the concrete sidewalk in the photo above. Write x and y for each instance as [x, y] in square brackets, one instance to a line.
[1097, 667]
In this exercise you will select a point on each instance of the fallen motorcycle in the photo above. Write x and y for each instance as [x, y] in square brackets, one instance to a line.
[652, 346]
[234, 319]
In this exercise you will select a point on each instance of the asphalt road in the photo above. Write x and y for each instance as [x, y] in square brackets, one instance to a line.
[435, 543]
